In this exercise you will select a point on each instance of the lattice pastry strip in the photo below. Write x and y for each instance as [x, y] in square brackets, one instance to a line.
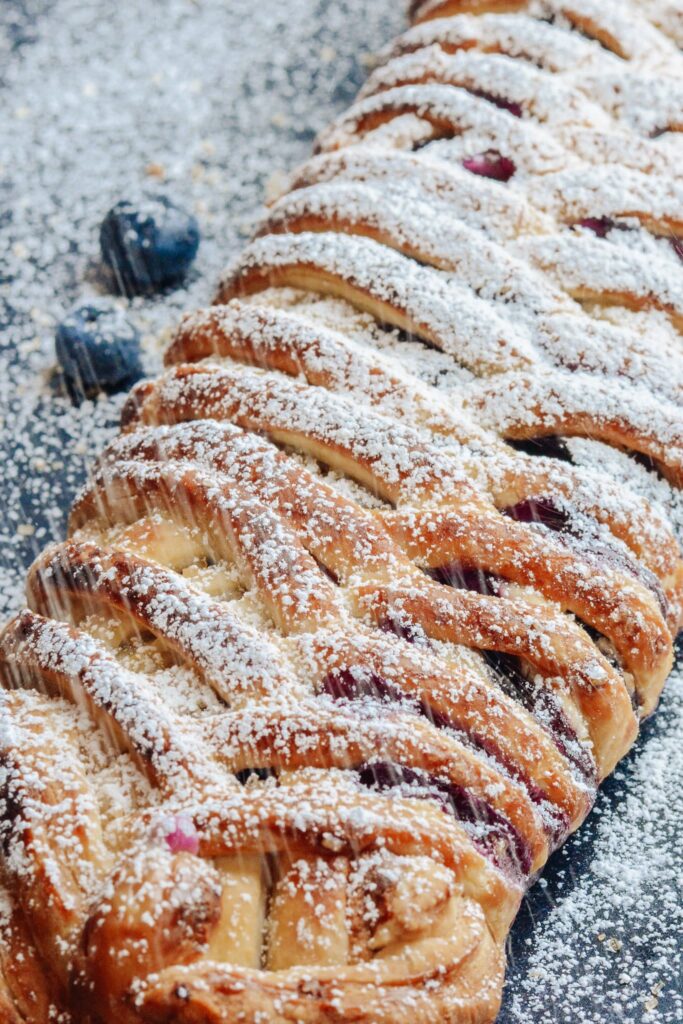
[612, 194]
[410, 221]
[579, 403]
[433, 236]
[263, 819]
[235, 659]
[367, 561]
[389, 286]
[87, 574]
[253, 819]
[599, 198]
[475, 200]
[463, 702]
[405, 469]
[667, 16]
[65, 662]
[423, 230]
[26, 993]
[578, 265]
[247, 414]
[292, 344]
[367, 547]
[603, 199]
[521, 36]
[618, 27]
[518, 88]
[491, 141]
[446, 112]
[648, 103]
[483, 336]
[51, 829]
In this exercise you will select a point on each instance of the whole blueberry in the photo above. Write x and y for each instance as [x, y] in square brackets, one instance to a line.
[148, 244]
[98, 350]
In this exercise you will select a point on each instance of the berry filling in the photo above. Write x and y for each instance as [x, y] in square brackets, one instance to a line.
[251, 775]
[582, 534]
[490, 165]
[490, 831]
[536, 699]
[546, 709]
[407, 630]
[344, 685]
[456, 575]
[538, 510]
[555, 821]
[550, 447]
[499, 101]
[600, 226]
[182, 836]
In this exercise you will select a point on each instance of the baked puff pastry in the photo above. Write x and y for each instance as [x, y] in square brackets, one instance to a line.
[382, 574]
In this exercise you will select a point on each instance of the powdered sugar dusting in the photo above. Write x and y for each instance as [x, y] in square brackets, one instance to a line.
[116, 114]
[605, 945]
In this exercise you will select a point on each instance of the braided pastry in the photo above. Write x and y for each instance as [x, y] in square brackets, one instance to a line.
[351, 621]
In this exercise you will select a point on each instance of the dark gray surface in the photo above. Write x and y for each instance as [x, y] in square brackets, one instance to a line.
[266, 84]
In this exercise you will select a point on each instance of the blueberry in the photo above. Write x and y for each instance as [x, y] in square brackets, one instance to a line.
[98, 350]
[149, 244]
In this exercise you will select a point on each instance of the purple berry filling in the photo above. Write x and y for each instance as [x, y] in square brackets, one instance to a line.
[545, 707]
[246, 774]
[345, 685]
[182, 836]
[582, 534]
[537, 700]
[600, 226]
[499, 101]
[407, 631]
[490, 165]
[538, 510]
[549, 447]
[556, 821]
[456, 575]
[462, 804]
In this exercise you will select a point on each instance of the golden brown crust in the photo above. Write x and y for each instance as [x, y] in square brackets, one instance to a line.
[26, 989]
[445, 518]
[275, 339]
